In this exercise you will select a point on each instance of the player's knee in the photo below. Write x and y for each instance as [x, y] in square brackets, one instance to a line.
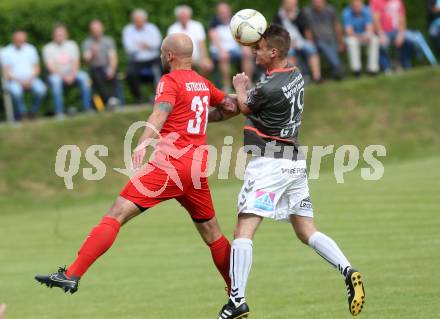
[119, 212]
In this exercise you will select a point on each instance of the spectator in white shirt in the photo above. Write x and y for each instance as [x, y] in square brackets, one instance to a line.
[224, 49]
[62, 60]
[142, 42]
[195, 30]
[21, 68]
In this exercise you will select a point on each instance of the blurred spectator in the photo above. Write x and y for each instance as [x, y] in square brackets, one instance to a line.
[62, 60]
[294, 21]
[21, 68]
[224, 49]
[326, 33]
[142, 41]
[195, 30]
[359, 31]
[390, 23]
[99, 51]
[2, 311]
[434, 21]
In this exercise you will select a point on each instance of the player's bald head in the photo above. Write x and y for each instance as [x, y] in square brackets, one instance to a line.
[179, 44]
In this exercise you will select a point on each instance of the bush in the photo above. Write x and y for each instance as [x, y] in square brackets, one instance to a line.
[38, 17]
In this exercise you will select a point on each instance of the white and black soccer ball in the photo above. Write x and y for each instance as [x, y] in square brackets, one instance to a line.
[247, 26]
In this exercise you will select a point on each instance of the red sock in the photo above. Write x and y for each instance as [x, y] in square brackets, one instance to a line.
[221, 252]
[97, 243]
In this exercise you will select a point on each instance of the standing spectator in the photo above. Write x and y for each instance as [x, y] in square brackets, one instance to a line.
[62, 60]
[21, 68]
[294, 21]
[99, 51]
[195, 30]
[359, 31]
[224, 49]
[142, 41]
[434, 21]
[326, 33]
[390, 22]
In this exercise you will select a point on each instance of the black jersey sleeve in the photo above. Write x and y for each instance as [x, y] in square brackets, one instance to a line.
[255, 99]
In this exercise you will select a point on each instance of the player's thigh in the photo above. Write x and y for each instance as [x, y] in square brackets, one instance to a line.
[150, 187]
[123, 210]
[198, 202]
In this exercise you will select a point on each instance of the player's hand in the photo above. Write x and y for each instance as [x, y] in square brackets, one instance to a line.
[2, 311]
[229, 105]
[138, 157]
[240, 81]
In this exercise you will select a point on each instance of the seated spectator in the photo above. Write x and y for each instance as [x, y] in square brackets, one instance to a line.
[142, 41]
[294, 21]
[224, 49]
[359, 31]
[21, 68]
[62, 60]
[99, 51]
[326, 33]
[390, 24]
[195, 30]
[434, 21]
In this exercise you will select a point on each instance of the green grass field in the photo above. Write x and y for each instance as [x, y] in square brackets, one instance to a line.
[159, 268]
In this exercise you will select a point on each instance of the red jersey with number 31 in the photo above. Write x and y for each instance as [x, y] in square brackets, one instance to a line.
[190, 94]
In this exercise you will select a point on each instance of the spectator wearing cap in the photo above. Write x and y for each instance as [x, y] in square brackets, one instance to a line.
[21, 69]
[326, 33]
[99, 51]
[359, 32]
[390, 25]
[142, 40]
[224, 49]
[62, 60]
[295, 22]
[195, 30]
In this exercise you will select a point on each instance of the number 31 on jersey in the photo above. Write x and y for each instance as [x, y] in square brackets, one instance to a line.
[199, 105]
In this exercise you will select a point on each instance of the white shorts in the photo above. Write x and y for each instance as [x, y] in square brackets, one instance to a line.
[275, 188]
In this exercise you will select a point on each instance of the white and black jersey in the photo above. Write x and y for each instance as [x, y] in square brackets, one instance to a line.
[276, 103]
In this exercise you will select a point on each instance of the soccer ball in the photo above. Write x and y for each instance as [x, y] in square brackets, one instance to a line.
[247, 26]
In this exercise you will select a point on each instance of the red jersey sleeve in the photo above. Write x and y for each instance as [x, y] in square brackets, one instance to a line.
[166, 90]
[217, 95]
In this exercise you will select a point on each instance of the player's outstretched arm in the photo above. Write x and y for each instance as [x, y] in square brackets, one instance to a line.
[225, 110]
[155, 122]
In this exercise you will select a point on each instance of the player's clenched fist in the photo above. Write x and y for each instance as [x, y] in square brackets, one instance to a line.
[240, 81]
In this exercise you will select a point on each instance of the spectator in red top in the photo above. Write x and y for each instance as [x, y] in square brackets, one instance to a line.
[390, 24]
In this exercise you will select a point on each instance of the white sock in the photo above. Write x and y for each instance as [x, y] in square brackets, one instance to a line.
[329, 250]
[241, 263]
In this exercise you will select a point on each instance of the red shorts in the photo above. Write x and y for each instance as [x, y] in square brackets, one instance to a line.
[159, 183]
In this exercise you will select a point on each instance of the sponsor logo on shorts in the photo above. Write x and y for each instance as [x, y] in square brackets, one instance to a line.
[264, 200]
[306, 203]
[294, 171]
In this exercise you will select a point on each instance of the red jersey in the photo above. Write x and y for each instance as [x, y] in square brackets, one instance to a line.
[190, 94]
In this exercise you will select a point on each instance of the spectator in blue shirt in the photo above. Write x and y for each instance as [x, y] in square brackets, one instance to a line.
[434, 21]
[359, 32]
[21, 69]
